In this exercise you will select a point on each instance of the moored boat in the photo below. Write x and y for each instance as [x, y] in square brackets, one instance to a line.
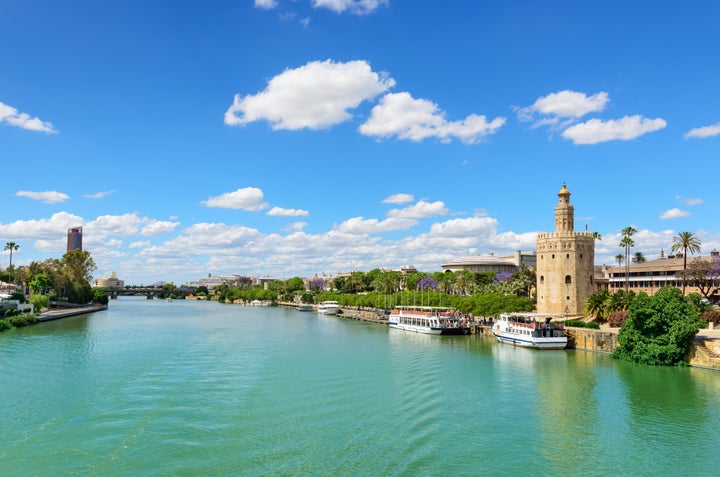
[305, 307]
[433, 320]
[531, 330]
[328, 307]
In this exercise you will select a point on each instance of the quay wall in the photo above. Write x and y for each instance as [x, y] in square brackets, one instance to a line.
[704, 353]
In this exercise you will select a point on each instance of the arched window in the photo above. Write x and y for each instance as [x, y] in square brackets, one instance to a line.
[542, 278]
[568, 279]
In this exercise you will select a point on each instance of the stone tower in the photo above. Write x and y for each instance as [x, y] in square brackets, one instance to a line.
[565, 263]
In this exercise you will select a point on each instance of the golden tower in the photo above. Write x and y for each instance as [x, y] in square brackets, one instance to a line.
[565, 263]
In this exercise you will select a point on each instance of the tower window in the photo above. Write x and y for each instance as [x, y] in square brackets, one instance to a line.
[581, 256]
[568, 279]
[542, 278]
[553, 255]
[567, 255]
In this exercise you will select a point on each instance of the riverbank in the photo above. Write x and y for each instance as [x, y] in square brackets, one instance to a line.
[59, 313]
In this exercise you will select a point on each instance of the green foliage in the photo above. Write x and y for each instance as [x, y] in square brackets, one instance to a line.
[582, 324]
[39, 302]
[4, 325]
[100, 297]
[21, 320]
[660, 329]
[19, 296]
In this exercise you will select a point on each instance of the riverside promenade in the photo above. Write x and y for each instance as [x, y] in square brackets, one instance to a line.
[59, 313]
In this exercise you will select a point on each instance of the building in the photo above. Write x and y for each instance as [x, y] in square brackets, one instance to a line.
[490, 263]
[652, 275]
[110, 282]
[74, 239]
[565, 263]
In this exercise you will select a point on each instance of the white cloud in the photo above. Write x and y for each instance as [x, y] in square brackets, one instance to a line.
[629, 127]
[296, 226]
[674, 214]
[467, 227]
[123, 225]
[363, 226]
[139, 244]
[158, 227]
[46, 197]
[280, 212]
[249, 198]
[54, 228]
[420, 210]
[99, 195]
[316, 95]
[399, 114]
[399, 199]
[266, 4]
[564, 104]
[705, 131]
[12, 116]
[358, 7]
[689, 200]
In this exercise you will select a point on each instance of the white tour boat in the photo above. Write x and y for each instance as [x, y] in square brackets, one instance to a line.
[434, 320]
[328, 307]
[532, 330]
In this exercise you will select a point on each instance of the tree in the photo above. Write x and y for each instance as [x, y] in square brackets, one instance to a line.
[687, 242]
[660, 329]
[705, 275]
[595, 305]
[627, 243]
[639, 258]
[12, 246]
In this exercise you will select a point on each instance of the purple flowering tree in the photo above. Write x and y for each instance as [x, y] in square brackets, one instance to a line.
[317, 285]
[502, 277]
[427, 282]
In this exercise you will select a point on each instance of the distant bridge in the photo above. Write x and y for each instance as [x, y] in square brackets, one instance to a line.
[149, 292]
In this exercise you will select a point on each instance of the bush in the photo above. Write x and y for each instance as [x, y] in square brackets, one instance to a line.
[582, 324]
[39, 302]
[617, 319]
[4, 325]
[22, 320]
[660, 329]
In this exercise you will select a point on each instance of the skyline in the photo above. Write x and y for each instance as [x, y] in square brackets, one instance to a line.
[294, 138]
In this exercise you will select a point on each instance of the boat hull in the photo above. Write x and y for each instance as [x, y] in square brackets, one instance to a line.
[530, 342]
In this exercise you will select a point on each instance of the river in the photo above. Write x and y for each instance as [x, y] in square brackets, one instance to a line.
[190, 388]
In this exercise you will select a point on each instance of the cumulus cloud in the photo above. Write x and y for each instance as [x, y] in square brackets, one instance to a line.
[467, 227]
[314, 96]
[564, 104]
[363, 226]
[705, 131]
[399, 199]
[266, 4]
[674, 214]
[13, 117]
[296, 226]
[249, 198]
[629, 127]
[358, 7]
[139, 244]
[688, 200]
[401, 115]
[99, 195]
[420, 210]
[46, 197]
[280, 212]
[48, 229]
[158, 227]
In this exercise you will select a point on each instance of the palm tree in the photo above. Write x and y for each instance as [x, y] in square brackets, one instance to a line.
[638, 258]
[12, 246]
[687, 242]
[597, 236]
[628, 243]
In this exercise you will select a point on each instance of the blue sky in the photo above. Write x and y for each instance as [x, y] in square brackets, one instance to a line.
[295, 137]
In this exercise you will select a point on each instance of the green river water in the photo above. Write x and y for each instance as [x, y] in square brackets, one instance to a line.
[194, 388]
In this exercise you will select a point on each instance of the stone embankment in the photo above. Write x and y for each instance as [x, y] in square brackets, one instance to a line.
[704, 353]
[58, 313]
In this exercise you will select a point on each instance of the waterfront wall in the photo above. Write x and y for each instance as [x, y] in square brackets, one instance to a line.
[704, 353]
